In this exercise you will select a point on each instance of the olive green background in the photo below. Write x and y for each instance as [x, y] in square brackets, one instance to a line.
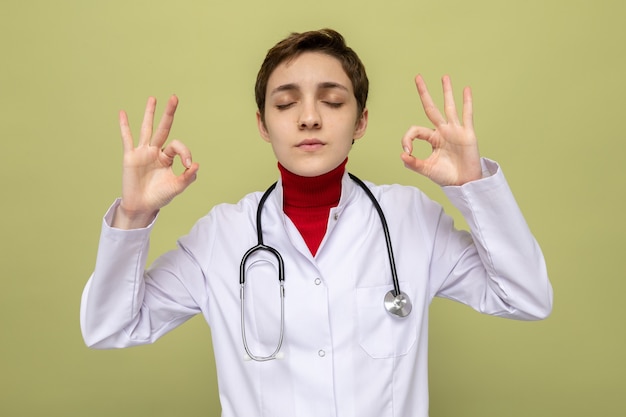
[549, 87]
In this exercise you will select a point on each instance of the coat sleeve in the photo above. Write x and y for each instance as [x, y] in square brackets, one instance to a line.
[498, 268]
[123, 304]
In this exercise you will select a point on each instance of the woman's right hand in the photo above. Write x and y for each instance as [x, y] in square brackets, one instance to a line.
[148, 180]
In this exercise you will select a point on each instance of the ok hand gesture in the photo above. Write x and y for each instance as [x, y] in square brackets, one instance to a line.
[454, 159]
[148, 181]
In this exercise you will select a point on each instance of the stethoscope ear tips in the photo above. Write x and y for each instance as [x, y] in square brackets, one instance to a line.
[398, 305]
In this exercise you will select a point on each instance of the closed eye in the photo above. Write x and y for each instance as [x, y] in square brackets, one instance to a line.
[284, 106]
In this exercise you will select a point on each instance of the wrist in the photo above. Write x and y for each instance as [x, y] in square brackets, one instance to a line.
[131, 219]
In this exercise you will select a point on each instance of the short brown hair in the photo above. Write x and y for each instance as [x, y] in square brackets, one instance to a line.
[326, 41]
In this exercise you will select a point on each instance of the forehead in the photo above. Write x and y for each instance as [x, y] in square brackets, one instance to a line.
[309, 69]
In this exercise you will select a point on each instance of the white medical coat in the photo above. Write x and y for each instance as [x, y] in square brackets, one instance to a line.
[343, 353]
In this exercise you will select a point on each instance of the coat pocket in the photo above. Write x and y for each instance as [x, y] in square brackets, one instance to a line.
[382, 334]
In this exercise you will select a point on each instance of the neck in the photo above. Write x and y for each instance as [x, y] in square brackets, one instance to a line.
[308, 200]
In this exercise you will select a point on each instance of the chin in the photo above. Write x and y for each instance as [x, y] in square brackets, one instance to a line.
[309, 170]
[312, 165]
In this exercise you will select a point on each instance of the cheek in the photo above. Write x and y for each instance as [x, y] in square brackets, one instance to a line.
[277, 125]
[348, 126]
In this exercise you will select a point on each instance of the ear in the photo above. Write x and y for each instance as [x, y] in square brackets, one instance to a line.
[262, 128]
[361, 125]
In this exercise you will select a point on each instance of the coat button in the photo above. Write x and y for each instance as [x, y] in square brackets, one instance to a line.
[318, 281]
[321, 353]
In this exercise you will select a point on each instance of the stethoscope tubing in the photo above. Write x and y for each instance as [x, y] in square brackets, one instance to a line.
[396, 302]
[383, 221]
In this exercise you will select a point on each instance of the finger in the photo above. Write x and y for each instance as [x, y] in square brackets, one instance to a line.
[148, 120]
[468, 108]
[416, 132]
[414, 164]
[174, 148]
[448, 100]
[127, 137]
[432, 112]
[188, 176]
[165, 124]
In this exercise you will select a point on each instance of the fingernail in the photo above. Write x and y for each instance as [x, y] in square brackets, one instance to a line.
[406, 149]
[188, 162]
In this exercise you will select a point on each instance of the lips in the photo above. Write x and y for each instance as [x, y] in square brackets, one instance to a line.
[310, 144]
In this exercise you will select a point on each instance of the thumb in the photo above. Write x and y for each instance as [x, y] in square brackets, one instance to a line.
[413, 163]
[189, 175]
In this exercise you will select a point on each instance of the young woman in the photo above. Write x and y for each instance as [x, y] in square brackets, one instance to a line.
[345, 333]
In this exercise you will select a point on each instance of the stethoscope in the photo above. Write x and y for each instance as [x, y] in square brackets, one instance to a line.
[395, 302]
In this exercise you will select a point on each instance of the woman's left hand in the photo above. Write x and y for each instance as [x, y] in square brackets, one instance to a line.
[455, 159]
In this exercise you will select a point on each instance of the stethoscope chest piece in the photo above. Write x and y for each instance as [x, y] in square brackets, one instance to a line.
[396, 302]
[398, 305]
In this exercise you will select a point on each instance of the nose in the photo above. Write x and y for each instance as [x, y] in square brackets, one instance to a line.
[309, 117]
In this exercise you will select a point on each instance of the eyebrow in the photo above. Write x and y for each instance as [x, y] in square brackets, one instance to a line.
[327, 85]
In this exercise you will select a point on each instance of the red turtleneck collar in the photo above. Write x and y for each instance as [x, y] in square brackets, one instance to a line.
[308, 200]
